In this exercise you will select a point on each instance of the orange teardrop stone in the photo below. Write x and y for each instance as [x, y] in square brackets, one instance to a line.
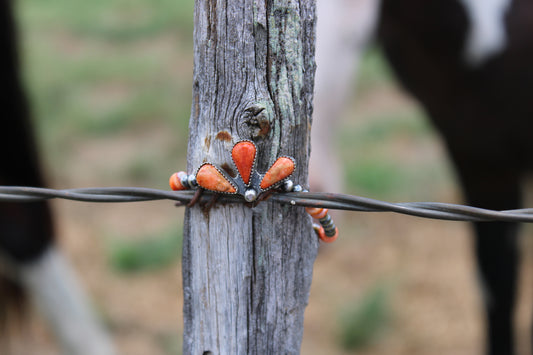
[210, 178]
[243, 154]
[282, 168]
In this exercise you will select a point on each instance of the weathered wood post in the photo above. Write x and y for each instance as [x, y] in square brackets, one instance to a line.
[247, 271]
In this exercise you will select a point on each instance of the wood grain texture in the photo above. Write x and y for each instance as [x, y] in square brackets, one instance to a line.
[247, 271]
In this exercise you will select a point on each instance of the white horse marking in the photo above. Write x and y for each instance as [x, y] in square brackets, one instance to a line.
[486, 36]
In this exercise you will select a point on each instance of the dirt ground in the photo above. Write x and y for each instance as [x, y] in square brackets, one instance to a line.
[434, 300]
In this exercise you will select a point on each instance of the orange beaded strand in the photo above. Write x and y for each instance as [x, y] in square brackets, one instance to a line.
[327, 231]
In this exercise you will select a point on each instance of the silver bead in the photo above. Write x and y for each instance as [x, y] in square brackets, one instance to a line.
[191, 180]
[250, 195]
[288, 186]
[184, 179]
[297, 188]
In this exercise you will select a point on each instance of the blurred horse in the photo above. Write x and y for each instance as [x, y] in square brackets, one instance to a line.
[470, 65]
[29, 259]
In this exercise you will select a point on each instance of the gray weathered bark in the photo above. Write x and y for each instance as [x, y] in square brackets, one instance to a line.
[247, 271]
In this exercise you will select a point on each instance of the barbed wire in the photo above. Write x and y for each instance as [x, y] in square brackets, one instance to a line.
[433, 210]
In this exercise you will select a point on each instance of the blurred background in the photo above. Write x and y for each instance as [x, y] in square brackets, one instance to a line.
[110, 87]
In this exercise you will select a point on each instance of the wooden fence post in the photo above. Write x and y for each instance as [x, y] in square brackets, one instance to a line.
[247, 271]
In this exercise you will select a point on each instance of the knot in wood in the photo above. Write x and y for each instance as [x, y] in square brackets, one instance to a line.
[257, 120]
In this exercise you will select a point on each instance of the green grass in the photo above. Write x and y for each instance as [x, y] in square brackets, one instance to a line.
[170, 343]
[364, 322]
[374, 71]
[377, 178]
[117, 20]
[145, 254]
[98, 71]
[382, 127]
[384, 158]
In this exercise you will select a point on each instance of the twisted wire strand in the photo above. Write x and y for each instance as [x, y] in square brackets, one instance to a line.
[433, 210]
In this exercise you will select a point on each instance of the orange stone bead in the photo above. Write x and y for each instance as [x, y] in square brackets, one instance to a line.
[317, 213]
[175, 182]
[322, 235]
[243, 154]
[210, 178]
[282, 168]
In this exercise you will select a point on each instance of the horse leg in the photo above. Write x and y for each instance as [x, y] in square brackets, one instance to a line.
[26, 229]
[497, 254]
[497, 258]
